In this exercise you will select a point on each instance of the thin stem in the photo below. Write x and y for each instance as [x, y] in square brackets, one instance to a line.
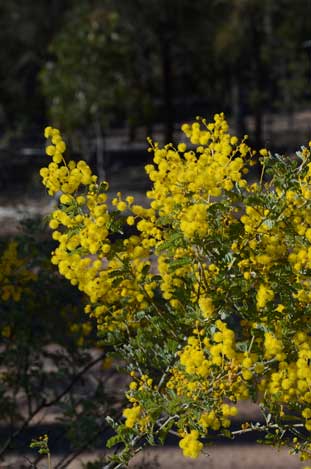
[262, 172]
[264, 428]
[251, 344]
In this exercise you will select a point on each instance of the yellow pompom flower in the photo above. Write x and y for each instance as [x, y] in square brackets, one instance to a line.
[190, 444]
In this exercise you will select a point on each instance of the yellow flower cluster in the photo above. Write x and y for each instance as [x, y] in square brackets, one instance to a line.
[61, 177]
[292, 379]
[190, 444]
[184, 181]
[82, 225]
[136, 415]
[131, 415]
[214, 422]
[15, 276]
[264, 294]
[273, 347]
[206, 306]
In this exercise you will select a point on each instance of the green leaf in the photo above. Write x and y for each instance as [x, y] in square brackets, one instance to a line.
[175, 264]
[114, 440]
[173, 241]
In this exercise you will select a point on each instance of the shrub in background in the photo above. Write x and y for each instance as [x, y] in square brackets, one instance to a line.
[48, 354]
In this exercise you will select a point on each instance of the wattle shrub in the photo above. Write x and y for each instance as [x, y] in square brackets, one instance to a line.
[209, 303]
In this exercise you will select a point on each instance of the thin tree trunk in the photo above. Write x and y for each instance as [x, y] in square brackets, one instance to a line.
[238, 109]
[101, 163]
[258, 125]
[167, 76]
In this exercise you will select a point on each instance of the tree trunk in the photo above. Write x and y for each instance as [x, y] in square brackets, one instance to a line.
[167, 77]
[238, 108]
[101, 163]
[258, 125]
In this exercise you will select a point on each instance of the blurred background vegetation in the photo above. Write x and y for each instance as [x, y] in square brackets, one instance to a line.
[110, 72]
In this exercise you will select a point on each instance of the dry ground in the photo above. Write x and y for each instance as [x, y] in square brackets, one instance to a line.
[232, 456]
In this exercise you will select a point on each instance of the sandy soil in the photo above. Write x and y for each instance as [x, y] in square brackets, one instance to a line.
[221, 457]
